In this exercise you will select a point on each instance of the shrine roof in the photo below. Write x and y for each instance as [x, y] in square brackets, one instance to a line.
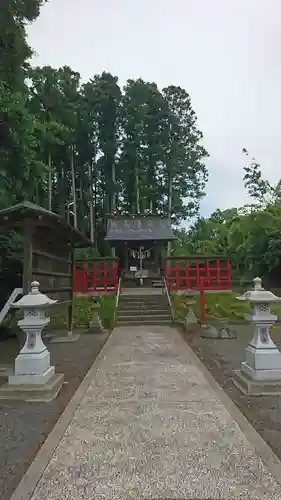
[139, 228]
[11, 218]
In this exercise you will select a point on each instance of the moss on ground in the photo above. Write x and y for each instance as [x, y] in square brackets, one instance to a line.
[217, 305]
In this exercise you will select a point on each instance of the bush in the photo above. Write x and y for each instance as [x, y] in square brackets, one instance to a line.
[83, 307]
[217, 305]
[107, 310]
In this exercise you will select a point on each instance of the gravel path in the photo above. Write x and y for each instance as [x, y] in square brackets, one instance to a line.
[151, 425]
[24, 427]
[221, 357]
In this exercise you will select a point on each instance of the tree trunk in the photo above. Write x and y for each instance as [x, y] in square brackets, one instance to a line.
[50, 183]
[137, 189]
[170, 195]
[73, 188]
[91, 207]
[113, 201]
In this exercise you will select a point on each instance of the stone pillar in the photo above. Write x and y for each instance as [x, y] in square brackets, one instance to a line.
[260, 373]
[190, 318]
[33, 379]
[96, 324]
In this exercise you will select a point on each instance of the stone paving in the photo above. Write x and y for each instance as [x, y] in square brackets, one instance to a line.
[151, 426]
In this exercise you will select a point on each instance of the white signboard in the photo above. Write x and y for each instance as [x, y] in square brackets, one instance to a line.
[133, 268]
[143, 274]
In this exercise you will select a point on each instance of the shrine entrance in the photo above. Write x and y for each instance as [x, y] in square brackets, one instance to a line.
[140, 242]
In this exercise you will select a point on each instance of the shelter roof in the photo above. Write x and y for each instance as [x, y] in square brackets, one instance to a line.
[12, 218]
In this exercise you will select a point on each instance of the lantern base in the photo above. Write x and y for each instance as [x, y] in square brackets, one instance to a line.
[251, 387]
[70, 337]
[33, 393]
[32, 378]
[262, 363]
[33, 364]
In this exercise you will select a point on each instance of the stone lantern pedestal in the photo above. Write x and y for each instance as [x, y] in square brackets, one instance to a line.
[33, 378]
[260, 373]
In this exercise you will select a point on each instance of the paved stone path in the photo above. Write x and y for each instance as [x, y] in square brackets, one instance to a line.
[151, 426]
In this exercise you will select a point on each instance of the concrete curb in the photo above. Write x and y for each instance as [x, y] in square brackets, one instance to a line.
[27, 485]
[270, 460]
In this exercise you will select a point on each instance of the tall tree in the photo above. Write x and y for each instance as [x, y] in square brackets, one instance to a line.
[186, 173]
[20, 131]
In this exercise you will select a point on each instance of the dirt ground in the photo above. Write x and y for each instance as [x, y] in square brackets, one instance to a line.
[221, 357]
[24, 427]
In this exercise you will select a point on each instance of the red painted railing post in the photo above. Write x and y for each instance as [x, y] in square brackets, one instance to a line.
[218, 274]
[115, 274]
[84, 286]
[186, 274]
[197, 273]
[105, 275]
[177, 275]
[202, 302]
[228, 274]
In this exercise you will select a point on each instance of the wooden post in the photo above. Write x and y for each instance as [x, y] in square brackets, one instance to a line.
[28, 231]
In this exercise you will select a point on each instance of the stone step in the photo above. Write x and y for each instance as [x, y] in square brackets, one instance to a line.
[147, 310]
[151, 296]
[146, 317]
[143, 301]
[136, 305]
[153, 321]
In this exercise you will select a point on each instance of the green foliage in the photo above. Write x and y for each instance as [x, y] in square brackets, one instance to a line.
[83, 308]
[249, 236]
[86, 253]
[217, 305]
[107, 310]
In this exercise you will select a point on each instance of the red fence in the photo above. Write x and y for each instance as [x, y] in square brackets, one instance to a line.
[98, 275]
[183, 273]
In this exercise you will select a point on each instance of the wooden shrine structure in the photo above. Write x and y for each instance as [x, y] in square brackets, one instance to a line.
[139, 246]
[141, 243]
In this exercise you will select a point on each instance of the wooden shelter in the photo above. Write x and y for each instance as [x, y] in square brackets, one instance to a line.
[48, 245]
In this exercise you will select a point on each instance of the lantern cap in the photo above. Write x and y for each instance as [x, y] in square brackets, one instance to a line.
[34, 299]
[258, 294]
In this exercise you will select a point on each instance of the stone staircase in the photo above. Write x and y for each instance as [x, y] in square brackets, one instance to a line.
[146, 307]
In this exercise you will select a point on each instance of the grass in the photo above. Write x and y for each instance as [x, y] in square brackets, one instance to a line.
[83, 307]
[218, 305]
[107, 310]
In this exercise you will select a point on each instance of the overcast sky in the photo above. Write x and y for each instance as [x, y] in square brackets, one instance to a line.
[225, 53]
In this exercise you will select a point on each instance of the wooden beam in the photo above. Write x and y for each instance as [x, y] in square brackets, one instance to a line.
[42, 272]
[50, 256]
[56, 290]
[28, 231]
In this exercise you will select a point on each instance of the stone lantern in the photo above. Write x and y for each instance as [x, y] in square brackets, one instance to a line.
[34, 379]
[190, 318]
[260, 373]
[95, 323]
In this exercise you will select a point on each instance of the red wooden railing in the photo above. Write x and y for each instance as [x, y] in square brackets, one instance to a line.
[183, 273]
[97, 275]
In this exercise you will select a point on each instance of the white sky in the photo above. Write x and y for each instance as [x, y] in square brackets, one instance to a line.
[225, 53]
